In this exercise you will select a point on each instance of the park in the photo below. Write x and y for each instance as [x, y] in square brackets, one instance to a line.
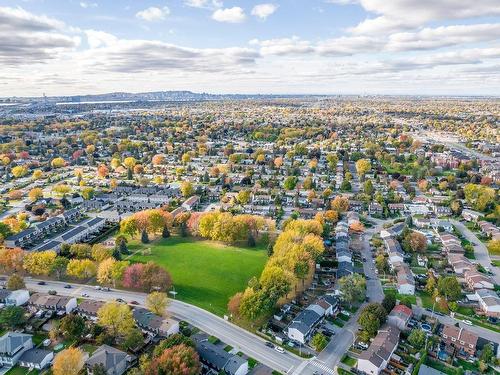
[204, 273]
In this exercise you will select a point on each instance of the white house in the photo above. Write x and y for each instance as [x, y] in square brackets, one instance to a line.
[375, 359]
[17, 297]
[406, 281]
[36, 359]
[12, 347]
[489, 302]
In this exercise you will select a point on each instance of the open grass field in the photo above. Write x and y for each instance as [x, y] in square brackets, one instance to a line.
[204, 273]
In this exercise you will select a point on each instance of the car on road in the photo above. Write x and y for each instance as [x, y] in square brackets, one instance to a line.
[67, 286]
[133, 302]
[279, 349]
[41, 283]
[269, 344]
[97, 287]
[468, 322]
[120, 300]
[52, 292]
[85, 295]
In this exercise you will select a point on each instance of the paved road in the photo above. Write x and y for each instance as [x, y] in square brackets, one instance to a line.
[446, 319]
[480, 250]
[250, 344]
[330, 357]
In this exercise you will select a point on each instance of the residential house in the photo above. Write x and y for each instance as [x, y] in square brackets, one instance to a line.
[459, 263]
[58, 304]
[216, 358]
[36, 358]
[375, 359]
[88, 309]
[471, 215]
[399, 317]
[303, 324]
[153, 324]
[12, 347]
[476, 280]
[459, 341]
[405, 280]
[489, 302]
[114, 361]
[14, 297]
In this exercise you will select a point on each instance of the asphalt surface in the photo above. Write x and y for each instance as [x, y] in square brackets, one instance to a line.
[252, 345]
[480, 251]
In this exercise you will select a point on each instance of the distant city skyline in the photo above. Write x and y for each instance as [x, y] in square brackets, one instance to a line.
[413, 47]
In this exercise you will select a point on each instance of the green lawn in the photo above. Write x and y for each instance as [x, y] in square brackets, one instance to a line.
[403, 298]
[204, 273]
[349, 361]
[21, 371]
[428, 302]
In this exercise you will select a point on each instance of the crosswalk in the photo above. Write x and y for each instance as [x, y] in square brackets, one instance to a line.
[323, 367]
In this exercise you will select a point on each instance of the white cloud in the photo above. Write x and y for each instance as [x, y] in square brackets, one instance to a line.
[400, 15]
[96, 38]
[229, 15]
[28, 38]
[204, 4]
[263, 11]
[283, 46]
[85, 4]
[152, 14]
[443, 36]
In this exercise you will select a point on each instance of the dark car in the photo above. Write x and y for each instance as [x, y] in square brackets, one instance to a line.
[52, 292]
[269, 344]
[41, 283]
[132, 302]
[67, 286]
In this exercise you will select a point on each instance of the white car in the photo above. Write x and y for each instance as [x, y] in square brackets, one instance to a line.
[279, 349]
[468, 322]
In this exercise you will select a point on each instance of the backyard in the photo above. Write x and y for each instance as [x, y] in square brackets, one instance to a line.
[204, 273]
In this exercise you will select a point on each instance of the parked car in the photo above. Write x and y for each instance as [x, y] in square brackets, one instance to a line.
[120, 300]
[132, 302]
[269, 344]
[85, 295]
[41, 283]
[67, 286]
[279, 349]
[468, 322]
[52, 292]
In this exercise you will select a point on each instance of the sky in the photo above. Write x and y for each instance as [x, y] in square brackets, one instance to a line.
[417, 47]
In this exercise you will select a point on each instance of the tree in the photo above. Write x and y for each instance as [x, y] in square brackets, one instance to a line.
[68, 362]
[81, 250]
[155, 277]
[105, 271]
[187, 189]
[319, 342]
[353, 288]
[340, 204]
[290, 182]
[487, 355]
[12, 259]
[15, 282]
[133, 338]
[12, 317]
[243, 197]
[81, 268]
[132, 276]
[417, 242]
[59, 266]
[58, 163]
[158, 159]
[35, 194]
[368, 187]
[116, 317]
[88, 193]
[72, 326]
[450, 288]
[233, 306]
[372, 317]
[157, 302]
[118, 271]
[417, 338]
[479, 197]
[99, 369]
[102, 171]
[363, 166]
[171, 341]
[100, 252]
[494, 246]
[179, 359]
[456, 207]
[389, 302]
[19, 171]
[381, 263]
[276, 282]
[39, 263]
